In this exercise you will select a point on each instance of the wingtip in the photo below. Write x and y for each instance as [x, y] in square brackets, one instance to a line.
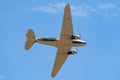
[52, 75]
[67, 4]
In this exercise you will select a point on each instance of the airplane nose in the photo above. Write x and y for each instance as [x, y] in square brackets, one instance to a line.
[84, 43]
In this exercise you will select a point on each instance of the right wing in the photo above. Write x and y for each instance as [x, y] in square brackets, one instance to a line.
[67, 29]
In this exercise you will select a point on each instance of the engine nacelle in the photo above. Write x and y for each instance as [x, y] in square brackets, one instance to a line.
[75, 37]
[72, 52]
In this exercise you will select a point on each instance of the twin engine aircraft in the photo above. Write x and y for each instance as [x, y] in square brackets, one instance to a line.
[67, 40]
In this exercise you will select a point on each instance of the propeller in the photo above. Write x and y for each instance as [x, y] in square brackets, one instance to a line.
[80, 35]
[77, 49]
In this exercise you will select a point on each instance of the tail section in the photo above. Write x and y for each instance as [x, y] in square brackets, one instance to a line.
[30, 39]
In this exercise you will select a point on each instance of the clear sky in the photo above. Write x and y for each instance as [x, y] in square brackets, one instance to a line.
[98, 22]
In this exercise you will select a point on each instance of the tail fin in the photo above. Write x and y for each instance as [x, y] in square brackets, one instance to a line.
[30, 39]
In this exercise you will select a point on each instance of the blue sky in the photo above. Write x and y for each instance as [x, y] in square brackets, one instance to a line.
[98, 22]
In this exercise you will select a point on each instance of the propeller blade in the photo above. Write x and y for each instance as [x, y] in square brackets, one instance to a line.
[77, 49]
[80, 35]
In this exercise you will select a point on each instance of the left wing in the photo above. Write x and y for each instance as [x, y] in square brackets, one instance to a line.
[59, 61]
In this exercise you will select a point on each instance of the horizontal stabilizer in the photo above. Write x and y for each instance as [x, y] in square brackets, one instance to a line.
[28, 44]
[30, 39]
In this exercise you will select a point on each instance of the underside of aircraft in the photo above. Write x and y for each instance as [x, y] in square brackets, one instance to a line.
[67, 40]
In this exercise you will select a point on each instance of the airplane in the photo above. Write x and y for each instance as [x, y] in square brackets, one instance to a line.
[64, 44]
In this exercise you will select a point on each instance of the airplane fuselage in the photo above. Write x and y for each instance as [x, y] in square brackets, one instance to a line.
[56, 41]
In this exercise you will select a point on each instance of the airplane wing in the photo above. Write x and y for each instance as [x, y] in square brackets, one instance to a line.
[59, 61]
[67, 30]
[65, 41]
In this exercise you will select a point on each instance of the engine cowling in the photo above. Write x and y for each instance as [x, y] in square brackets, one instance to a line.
[72, 52]
[75, 37]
